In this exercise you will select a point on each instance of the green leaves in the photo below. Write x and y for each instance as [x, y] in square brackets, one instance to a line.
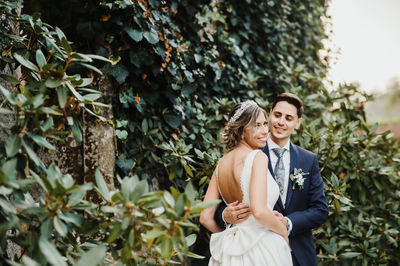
[95, 256]
[119, 72]
[75, 128]
[73, 91]
[135, 34]
[101, 186]
[40, 59]
[47, 124]
[72, 218]
[172, 119]
[12, 145]
[59, 224]
[114, 233]
[125, 164]
[355, 176]
[153, 234]
[50, 252]
[145, 126]
[63, 40]
[40, 141]
[10, 98]
[32, 155]
[349, 255]
[53, 82]
[151, 36]
[26, 63]
[65, 45]
[121, 134]
[190, 239]
[10, 79]
[60, 227]
[166, 248]
[62, 96]
[133, 189]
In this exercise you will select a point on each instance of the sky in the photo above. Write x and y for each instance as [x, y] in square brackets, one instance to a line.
[367, 32]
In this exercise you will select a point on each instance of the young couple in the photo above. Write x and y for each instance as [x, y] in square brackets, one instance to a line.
[272, 190]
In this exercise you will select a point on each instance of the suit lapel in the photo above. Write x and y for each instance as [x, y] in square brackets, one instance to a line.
[266, 151]
[293, 164]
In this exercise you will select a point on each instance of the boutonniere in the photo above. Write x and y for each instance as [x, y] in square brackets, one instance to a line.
[297, 178]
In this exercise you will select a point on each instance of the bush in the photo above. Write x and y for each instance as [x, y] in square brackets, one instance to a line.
[361, 175]
[44, 212]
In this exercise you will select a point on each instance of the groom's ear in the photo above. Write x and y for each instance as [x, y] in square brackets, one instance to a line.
[299, 122]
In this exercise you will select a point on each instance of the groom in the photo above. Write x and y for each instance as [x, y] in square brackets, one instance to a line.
[302, 204]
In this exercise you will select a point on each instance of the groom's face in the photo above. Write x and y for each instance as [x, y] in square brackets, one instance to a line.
[283, 121]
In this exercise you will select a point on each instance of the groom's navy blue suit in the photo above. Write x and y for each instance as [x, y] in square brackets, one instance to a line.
[306, 207]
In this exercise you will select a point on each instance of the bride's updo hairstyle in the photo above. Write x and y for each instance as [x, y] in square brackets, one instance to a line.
[244, 114]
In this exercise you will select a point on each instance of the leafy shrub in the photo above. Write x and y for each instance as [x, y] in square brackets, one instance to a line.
[43, 211]
[361, 173]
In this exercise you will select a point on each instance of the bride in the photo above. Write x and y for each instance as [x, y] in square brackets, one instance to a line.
[242, 175]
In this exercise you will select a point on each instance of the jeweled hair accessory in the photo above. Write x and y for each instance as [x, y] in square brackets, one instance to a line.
[240, 111]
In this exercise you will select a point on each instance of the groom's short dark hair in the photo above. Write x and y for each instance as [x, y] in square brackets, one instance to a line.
[292, 99]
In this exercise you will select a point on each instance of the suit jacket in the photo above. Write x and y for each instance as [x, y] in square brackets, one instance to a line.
[306, 208]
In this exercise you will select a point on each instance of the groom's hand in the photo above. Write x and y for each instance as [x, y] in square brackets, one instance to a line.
[236, 212]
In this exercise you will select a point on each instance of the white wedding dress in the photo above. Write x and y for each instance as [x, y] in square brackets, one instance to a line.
[249, 242]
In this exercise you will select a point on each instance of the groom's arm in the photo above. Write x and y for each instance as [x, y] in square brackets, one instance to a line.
[218, 216]
[317, 210]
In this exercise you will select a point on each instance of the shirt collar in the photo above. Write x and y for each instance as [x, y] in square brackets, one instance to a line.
[272, 144]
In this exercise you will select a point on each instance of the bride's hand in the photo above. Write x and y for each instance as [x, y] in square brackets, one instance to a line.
[278, 214]
[284, 234]
[236, 212]
[281, 218]
[284, 221]
[286, 239]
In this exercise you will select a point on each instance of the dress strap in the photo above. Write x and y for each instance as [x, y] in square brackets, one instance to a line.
[248, 161]
[219, 189]
[246, 176]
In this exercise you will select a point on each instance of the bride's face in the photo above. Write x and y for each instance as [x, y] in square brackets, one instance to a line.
[256, 135]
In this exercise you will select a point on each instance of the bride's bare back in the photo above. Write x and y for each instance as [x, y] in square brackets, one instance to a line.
[229, 171]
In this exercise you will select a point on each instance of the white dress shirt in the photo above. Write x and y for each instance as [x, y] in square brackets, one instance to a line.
[286, 163]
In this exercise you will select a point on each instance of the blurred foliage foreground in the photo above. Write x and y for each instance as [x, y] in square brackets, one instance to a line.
[177, 68]
[44, 211]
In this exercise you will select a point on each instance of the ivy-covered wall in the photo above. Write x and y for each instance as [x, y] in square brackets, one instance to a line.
[180, 65]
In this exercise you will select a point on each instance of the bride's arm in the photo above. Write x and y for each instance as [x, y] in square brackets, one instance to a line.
[207, 215]
[259, 197]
